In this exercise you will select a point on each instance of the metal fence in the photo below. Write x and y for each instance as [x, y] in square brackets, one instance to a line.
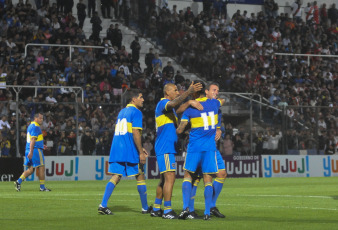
[250, 127]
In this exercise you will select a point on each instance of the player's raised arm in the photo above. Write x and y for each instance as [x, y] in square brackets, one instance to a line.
[178, 100]
[181, 127]
[192, 103]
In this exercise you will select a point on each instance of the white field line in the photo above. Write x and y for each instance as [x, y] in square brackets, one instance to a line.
[291, 196]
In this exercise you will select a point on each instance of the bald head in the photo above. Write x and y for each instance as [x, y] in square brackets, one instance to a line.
[168, 87]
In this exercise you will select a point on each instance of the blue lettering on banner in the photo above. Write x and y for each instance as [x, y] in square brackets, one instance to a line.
[99, 167]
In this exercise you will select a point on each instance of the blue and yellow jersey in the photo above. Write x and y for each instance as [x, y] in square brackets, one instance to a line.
[34, 130]
[166, 123]
[123, 148]
[203, 125]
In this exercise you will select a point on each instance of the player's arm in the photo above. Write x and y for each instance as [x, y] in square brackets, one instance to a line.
[192, 103]
[218, 127]
[31, 147]
[221, 100]
[177, 101]
[141, 151]
[181, 127]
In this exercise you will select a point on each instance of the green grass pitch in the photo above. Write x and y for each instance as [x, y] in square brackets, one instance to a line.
[250, 203]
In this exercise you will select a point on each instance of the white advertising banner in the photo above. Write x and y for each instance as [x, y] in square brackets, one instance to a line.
[299, 166]
[75, 168]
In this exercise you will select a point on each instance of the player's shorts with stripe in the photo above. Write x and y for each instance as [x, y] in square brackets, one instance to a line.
[166, 162]
[206, 160]
[220, 161]
[125, 169]
[37, 160]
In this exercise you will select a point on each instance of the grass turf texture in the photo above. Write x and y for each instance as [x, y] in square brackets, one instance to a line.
[250, 203]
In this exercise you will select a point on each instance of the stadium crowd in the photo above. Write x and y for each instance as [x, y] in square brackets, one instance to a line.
[238, 53]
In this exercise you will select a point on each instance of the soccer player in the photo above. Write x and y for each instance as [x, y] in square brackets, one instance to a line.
[211, 92]
[34, 157]
[127, 156]
[166, 123]
[201, 153]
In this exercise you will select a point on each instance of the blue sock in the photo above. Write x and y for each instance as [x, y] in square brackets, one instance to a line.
[186, 192]
[208, 197]
[167, 206]
[107, 193]
[192, 196]
[217, 187]
[157, 204]
[21, 179]
[42, 184]
[142, 190]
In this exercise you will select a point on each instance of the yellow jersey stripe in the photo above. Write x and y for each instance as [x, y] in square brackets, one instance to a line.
[166, 119]
[198, 122]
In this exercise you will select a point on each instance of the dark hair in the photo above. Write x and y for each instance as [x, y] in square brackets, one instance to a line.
[134, 93]
[202, 91]
[210, 84]
[37, 114]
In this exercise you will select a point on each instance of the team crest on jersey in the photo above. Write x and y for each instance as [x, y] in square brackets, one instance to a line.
[173, 165]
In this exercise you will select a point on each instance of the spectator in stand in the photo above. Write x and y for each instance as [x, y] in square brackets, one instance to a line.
[91, 7]
[135, 48]
[228, 145]
[81, 13]
[332, 14]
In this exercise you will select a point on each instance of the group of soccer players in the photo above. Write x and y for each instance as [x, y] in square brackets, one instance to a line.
[127, 156]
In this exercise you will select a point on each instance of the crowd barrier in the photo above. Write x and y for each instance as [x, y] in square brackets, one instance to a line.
[74, 168]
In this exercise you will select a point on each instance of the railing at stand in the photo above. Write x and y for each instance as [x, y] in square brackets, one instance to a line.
[59, 45]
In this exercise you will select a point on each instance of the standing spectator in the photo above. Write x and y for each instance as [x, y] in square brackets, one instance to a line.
[135, 48]
[315, 13]
[60, 4]
[126, 12]
[96, 27]
[116, 37]
[91, 7]
[105, 8]
[228, 145]
[323, 14]
[4, 123]
[81, 13]
[148, 60]
[156, 63]
[168, 69]
[297, 11]
[88, 142]
[332, 14]
[69, 6]
[5, 147]
[308, 13]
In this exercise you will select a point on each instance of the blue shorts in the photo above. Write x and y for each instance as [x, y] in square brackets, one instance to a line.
[125, 169]
[37, 160]
[206, 160]
[220, 161]
[166, 162]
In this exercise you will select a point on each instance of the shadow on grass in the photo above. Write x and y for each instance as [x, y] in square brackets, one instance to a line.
[335, 197]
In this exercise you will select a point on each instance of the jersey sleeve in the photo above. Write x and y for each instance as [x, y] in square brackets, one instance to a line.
[219, 119]
[186, 115]
[35, 132]
[137, 120]
[165, 103]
